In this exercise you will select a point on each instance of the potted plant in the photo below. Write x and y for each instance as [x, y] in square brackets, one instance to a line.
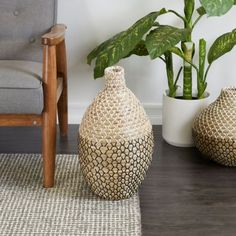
[149, 37]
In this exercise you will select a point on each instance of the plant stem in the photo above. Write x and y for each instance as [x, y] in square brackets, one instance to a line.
[189, 6]
[185, 59]
[202, 58]
[163, 59]
[187, 80]
[196, 21]
[188, 50]
[178, 15]
[178, 75]
[201, 85]
[208, 68]
[170, 74]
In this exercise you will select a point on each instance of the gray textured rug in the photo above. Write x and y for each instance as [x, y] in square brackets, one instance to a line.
[67, 209]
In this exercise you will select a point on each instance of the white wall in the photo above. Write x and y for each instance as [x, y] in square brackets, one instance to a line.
[92, 21]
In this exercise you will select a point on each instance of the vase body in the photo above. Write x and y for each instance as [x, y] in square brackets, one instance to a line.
[214, 130]
[177, 119]
[115, 140]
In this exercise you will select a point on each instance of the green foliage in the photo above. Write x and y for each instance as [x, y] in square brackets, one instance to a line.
[202, 58]
[118, 47]
[188, 48]
[201, 83]
[170, 74]
[92, 55]
[177, 51]
[148, 37]
[217, 7]
[164, 38]
[201, 11]
[189, 6]
[139, 50]
[222, 45]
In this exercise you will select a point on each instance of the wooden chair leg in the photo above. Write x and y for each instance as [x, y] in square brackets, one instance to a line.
[49, 148]
[63, 101]
[63, 112]
[49, 115]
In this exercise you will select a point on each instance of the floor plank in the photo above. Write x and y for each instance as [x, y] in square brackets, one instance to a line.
[183, 193]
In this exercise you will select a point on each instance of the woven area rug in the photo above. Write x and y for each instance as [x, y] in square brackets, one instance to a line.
[70, 208]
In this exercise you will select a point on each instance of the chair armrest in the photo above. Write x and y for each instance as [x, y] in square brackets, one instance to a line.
[55, 36]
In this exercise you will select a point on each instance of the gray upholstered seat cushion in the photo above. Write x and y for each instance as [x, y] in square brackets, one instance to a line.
[21, 90]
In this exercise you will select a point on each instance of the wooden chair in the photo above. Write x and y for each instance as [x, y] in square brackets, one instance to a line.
[33, 72]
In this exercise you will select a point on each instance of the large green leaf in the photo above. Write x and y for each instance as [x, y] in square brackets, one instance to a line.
[217, 7]
[92, 55]
[164, 38]
[118, 47]
[139, 50]
[222, 45]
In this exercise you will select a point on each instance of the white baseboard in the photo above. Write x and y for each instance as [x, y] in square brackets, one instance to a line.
[154, 111]
[76, 112]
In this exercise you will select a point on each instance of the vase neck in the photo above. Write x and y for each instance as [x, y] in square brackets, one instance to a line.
[115, 77]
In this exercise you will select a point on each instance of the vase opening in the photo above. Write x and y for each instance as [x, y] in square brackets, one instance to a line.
[116, 70]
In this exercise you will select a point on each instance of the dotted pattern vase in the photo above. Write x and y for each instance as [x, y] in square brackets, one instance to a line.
[214, 130]
[115, 140]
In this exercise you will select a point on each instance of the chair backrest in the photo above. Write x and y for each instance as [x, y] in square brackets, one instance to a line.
[22, 23]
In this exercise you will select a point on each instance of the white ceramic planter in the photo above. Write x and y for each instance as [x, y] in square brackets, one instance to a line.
[177, 119]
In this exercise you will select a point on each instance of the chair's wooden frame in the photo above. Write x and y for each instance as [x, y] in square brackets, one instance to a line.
[55, 98]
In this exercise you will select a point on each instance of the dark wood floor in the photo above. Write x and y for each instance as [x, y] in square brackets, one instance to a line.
[183, 193]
